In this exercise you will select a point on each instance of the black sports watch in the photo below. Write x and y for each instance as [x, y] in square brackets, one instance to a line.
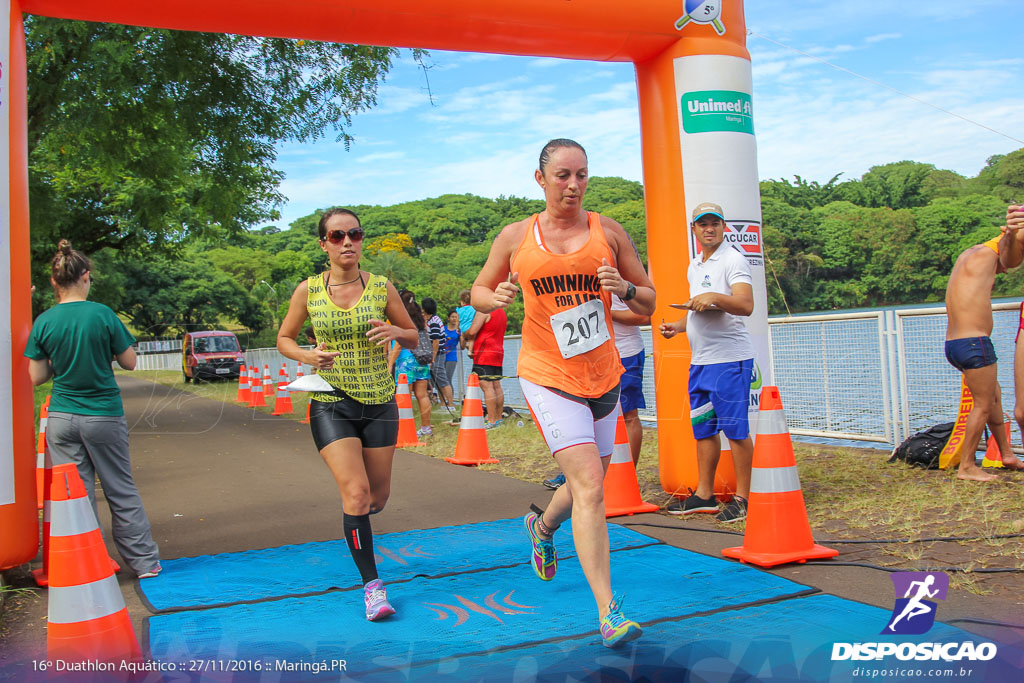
[630, 292]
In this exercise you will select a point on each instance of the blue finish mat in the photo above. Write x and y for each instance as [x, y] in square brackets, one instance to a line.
[228, 578]
[455, 616]
[789, 640]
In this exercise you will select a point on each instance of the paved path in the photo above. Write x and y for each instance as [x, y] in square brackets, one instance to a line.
[217, 478]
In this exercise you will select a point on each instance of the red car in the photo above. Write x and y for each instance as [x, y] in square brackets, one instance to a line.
[209, 355]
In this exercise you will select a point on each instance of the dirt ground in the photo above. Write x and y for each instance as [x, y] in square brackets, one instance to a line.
[220, 478]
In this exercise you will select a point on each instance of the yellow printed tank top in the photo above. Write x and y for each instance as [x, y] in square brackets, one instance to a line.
[361, 371]
[568, 341]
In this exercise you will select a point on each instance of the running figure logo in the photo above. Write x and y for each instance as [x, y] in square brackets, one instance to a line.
[914, 614]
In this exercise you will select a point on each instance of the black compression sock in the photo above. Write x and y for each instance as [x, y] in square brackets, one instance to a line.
[359, 537]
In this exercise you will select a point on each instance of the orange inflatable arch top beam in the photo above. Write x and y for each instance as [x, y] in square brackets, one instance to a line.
[694, 91]
[604, 30]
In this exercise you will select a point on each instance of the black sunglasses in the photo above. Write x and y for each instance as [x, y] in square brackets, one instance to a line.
[338, 236]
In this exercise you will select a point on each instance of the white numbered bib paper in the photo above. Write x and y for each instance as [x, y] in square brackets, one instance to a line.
[580, 329]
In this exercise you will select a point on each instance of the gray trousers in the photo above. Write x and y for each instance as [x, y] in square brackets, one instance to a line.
[98, 446]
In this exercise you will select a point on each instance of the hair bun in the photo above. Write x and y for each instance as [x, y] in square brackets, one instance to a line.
[64, 246]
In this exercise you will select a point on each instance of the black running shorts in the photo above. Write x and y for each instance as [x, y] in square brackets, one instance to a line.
[375, 424]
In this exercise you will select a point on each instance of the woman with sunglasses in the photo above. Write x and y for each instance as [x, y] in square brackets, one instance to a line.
[355, 315]
[570, 262]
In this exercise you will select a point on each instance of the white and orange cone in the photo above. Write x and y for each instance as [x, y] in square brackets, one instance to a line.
[777, 529]
[406, 422]
[243, 385]
[621, 489]
[994, 456]
[87, 619]
[471, 446]
[283, 399]
[256, 395]
[41, 464]
[298, 374]
[268, 382]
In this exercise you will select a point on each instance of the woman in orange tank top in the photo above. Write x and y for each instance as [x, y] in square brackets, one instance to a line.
[568, 262]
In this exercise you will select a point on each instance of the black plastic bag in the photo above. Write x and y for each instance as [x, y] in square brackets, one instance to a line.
[922, 449]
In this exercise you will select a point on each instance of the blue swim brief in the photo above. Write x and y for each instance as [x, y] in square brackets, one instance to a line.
[631, 389]
[720, 398]
[971, 353]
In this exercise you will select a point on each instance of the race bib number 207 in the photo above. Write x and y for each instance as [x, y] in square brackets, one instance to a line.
[580, 329]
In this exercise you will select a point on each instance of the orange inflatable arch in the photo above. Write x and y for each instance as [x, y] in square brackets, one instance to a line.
[694, 83]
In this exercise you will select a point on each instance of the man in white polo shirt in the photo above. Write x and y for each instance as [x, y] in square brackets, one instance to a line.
[721, 294]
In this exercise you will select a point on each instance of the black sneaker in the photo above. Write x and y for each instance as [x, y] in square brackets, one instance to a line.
[734, 511]
[692, 504]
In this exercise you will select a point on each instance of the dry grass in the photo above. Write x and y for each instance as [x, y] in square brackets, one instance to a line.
[856, 494]
[850, 494]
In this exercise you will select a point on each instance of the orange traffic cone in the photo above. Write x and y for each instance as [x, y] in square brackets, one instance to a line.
[621, 490]
[283, 399]
[44, 413]
[243, 385]
[777, 528]
[42, 575]
[256, 396]
[87, 618]
[406, 423]
[298, 374]
[471, 447]
[268, 383]
[994, 456]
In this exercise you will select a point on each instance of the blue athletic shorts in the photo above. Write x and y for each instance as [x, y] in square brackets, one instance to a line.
[719, 399]
[631, 391]
[971, 353]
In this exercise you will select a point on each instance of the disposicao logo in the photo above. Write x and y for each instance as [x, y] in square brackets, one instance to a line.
[914, 614]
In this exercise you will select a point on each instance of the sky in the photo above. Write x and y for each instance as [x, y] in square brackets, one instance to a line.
[482, 123]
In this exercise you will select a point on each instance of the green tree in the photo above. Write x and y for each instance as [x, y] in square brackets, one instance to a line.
[139, 136]
[290, 266]
[630, 215]
[800, 193]
[1003, 176]
[178, 294]
[606, 192]
[899, 185]
[246, 265]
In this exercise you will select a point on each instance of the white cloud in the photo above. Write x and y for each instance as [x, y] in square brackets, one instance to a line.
[380, 156]
[396, 100]
[882, 37]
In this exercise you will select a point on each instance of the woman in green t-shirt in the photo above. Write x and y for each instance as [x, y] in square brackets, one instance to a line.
[73, 343]
[355, 426]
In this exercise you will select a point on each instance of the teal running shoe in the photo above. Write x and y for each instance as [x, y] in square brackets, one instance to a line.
[544, 560]
[616, 629]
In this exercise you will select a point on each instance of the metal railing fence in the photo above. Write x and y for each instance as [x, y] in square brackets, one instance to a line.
[872, 376]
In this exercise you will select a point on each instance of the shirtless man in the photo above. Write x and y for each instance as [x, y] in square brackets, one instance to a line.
[969, 348]
[1011, 257]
